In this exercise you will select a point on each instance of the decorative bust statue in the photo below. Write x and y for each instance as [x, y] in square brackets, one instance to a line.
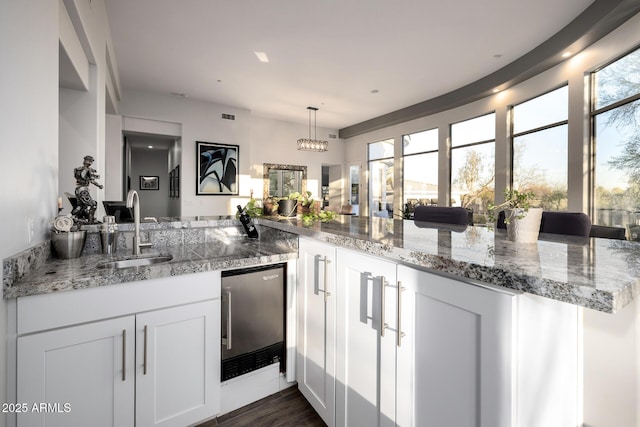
[85, 210]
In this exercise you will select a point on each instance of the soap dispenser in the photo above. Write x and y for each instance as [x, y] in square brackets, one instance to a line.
[109, 235]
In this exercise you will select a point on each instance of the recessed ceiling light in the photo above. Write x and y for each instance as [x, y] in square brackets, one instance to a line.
[151, 146]
[262, 56]
[374, 91]
[496, 90]
[566, 54]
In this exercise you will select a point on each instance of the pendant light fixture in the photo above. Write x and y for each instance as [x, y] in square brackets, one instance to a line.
[312, 144]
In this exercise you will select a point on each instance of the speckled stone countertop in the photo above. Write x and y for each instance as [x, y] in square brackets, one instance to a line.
[196, 245]
[600, 274]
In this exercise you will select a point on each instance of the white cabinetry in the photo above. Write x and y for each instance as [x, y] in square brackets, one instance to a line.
[316, 330]
[155, 362]
[89, 367]
[417, 349]
[366, 341]
[454, 359]
[175, 369]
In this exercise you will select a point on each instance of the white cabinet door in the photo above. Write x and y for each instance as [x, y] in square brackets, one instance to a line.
[316, 331]
[455, 358]
[90, 368]
[178, 364]
[365, 368]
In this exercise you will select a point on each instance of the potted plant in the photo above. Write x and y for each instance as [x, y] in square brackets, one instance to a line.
[523, 221]
[287, 205]
[270, 207]
[306, 204]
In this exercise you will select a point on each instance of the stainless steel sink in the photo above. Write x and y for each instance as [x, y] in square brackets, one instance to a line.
[136, 262]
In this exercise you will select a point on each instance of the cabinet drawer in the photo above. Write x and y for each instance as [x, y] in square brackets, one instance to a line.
[49, 311]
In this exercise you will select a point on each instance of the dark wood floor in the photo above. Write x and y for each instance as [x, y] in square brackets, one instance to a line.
[285, 408]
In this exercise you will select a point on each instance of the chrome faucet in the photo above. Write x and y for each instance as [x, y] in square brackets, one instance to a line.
[133, 201]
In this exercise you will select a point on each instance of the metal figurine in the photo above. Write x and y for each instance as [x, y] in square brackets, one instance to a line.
[84, 212]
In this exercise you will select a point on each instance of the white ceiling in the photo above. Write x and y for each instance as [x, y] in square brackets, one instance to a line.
[325, 53]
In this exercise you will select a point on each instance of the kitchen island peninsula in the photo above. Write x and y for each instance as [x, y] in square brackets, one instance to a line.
[390, 322]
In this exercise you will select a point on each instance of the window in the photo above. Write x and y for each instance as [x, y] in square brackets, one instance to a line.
[473, 164]
[380, 156]
[420, 170]
[616, 150]
[540, 148]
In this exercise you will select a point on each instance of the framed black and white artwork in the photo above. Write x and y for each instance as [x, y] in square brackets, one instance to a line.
[217, 169]
[149, 182]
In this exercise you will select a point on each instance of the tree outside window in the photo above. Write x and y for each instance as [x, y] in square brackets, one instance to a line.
[616, 159]
[472, 165]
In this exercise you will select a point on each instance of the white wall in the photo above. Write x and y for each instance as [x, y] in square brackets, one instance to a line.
[78, 129]
[83, 113]
[113, 185]
[28, 133]
[200, 121]
[275, 141]
[261, 140]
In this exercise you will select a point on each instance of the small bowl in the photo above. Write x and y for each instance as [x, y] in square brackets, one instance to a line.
[68, 245]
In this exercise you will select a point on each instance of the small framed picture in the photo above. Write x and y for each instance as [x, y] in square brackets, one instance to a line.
[149, 182]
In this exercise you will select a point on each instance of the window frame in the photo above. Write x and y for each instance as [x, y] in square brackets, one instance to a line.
[512, 135]
[436, 151]
[593, 112]
[470, 144]
[369, 160]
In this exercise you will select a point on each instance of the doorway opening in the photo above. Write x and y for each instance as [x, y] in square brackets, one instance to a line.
[331, 188]
[152, 168]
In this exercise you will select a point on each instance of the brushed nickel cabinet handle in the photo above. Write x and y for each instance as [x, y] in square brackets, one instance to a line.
[124, 355]
[229, 326]
[399, 313]
[327, 294]
[144, 369]
[383, 325]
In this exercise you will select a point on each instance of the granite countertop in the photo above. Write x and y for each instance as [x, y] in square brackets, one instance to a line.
[600, 274]
[195, 246]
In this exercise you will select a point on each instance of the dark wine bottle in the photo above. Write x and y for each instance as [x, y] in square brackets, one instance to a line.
[252, 231]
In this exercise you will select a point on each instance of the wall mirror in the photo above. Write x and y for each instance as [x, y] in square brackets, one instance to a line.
[282, 180]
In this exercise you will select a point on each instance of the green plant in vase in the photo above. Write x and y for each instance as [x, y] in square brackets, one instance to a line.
[516, 202]
[305, 201]
[523, 221]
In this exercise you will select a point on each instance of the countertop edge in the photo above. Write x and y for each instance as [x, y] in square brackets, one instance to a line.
[605, 301]
[135, 274]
